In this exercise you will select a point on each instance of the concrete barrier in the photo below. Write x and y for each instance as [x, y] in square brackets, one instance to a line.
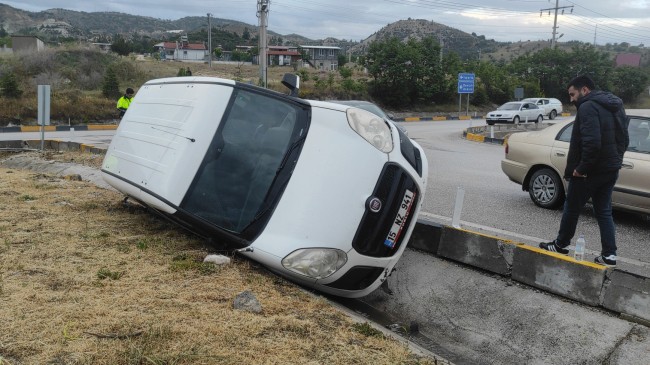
[479, 250]
[559, 274]
[585, 282]
[628, 293]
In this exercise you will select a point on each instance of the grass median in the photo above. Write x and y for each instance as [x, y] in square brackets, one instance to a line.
[87, 279]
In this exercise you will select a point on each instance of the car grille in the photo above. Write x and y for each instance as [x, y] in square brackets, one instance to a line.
[374, 227]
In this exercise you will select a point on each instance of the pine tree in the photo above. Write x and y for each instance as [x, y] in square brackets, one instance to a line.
[9, 86]
[110, 86]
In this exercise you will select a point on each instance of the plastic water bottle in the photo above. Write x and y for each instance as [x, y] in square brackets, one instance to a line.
[579, 253]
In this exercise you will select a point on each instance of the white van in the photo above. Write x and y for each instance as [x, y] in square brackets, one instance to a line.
[324, 194]
[552, 107]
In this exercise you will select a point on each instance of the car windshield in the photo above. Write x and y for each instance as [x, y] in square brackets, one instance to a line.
[510, 106]
[237, 182]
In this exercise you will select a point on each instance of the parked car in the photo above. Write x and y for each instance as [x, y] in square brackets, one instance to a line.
[515, 112]
[324, 194]
[552, 107]
[373, 108]
[536, 160]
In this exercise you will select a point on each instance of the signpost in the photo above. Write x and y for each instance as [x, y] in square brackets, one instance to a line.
[43, 110]
[465, 86]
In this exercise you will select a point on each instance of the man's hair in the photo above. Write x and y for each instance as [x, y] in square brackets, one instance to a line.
[582, 81]
[129, 91]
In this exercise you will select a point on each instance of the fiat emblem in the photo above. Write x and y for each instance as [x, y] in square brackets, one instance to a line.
[374, 204]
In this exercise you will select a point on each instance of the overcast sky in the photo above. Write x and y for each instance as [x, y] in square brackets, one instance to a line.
[606, 21]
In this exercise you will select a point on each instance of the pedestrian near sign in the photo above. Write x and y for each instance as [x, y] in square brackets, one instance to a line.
[465, 83]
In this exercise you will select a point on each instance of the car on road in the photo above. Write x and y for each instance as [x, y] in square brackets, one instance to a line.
[536, 161]
[552, 107]
[515, 112]
[324, 194]
[373, 108]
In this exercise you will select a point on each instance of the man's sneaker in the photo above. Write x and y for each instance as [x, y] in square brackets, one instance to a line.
[606, 260]
[553, 247]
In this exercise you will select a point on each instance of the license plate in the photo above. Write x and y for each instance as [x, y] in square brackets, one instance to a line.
[400, 219]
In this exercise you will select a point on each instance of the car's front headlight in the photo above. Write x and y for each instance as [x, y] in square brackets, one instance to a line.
[372, 128]
[317, 263]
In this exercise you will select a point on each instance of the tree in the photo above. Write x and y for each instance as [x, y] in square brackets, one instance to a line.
[342, 59]
[111, 86]
[237, 56]
[217, 52]
[247, 34]
[120, 46]
[405, 73]
[9, 86]
[628, 82]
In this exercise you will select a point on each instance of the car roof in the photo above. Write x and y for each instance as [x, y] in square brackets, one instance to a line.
[638, 112]
[535, 99]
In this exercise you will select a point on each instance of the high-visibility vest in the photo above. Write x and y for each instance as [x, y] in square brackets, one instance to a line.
[124, 103]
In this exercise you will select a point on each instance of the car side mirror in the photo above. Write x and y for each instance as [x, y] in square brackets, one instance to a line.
[291, 81]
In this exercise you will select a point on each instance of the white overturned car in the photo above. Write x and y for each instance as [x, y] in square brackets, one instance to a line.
[324, 194]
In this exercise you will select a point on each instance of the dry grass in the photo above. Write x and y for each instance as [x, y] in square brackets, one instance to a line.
[85, 279]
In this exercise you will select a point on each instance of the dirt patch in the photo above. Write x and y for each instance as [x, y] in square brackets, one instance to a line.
[87, 279]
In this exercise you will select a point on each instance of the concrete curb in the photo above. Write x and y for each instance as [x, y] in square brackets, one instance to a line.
[585, 282]
[437, 118]
[52, 145]
[57, 128]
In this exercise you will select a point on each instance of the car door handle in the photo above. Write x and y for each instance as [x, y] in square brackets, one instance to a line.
[561, 154]
[628, 165]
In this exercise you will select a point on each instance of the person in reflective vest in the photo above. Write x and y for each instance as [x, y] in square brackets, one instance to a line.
[124, 102]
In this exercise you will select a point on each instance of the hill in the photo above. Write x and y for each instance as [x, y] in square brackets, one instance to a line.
[55, 25]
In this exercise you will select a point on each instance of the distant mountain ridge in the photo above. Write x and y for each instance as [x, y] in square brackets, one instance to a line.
[55, 23]
[79, 24]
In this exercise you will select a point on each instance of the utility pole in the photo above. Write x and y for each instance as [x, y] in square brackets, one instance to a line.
[595, 32]
[556, 8]
[262, 13]
[209, 41]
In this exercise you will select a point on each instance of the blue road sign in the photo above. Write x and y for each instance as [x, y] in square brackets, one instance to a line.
[465, 83]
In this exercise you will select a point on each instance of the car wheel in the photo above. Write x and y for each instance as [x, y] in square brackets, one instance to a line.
[552, 115]
[546, 189]
[515, 119]
[540, 118]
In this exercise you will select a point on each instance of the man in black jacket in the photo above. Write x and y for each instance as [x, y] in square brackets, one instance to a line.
[598, 141]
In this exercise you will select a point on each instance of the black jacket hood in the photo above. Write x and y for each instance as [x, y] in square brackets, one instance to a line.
[607, 100]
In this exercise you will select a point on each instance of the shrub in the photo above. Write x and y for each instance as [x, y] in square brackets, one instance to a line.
[9, 86]
[110, 86]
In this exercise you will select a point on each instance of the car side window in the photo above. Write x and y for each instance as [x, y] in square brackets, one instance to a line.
[639, 132]
[565, 134]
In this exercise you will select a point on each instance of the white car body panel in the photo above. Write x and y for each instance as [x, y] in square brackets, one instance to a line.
[160, 143]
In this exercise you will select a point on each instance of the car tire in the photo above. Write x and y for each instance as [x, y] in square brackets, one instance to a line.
[552, 114]
[515, 120]
[540, 118]
[546, 189]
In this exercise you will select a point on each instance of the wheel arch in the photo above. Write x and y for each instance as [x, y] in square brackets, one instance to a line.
[532, 170]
